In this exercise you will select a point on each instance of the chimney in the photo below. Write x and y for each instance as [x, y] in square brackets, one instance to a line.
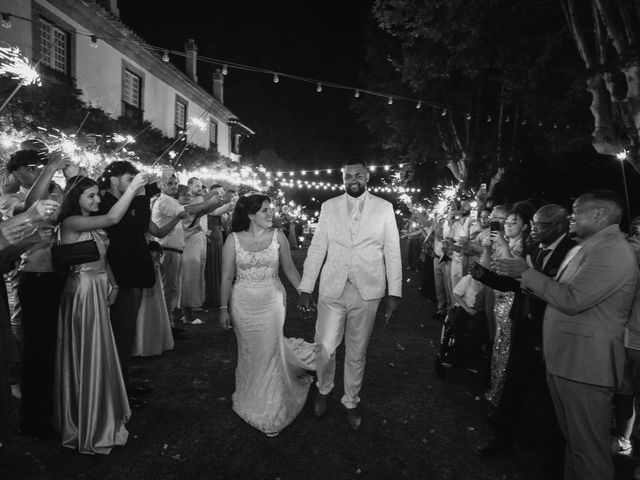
[218, 85]
[192, 59]
[111, 6]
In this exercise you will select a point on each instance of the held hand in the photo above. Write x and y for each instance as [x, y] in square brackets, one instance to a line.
[225, 319]
[58, 160]
[305, 304]
[182, 215]
[512, 267]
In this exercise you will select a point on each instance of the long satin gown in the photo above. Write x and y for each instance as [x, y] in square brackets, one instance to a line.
[272, 382]
[193, 263]
[90, 403]
[213, 268]
[153, 326]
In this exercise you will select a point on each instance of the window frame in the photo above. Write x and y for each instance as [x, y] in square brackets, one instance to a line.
[213, 133]
[129, 109]
[177, 127]
[40, 14]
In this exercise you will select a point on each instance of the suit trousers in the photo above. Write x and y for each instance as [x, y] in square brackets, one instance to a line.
[352, 317]
[124, 317]
[442, 277]
[39, 295]
[171, 270]
[584, 415]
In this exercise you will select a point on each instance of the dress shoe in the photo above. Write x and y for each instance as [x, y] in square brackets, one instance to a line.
[493, 447]
[139, 389]
[354, 419]
[135, 403]
[320, 406]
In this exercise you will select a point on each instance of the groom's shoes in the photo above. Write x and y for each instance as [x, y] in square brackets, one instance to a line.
[320, 406]
[354, 419]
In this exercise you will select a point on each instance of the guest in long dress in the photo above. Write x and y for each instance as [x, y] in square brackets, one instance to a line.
[90, 398]
[193, 257]
[153, 327]
[509, 244]
[213, 268]
[271, 379]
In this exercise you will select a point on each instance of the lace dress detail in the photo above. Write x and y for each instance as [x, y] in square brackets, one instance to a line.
[271, 375]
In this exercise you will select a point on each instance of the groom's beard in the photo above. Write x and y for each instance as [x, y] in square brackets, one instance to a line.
[355, 189]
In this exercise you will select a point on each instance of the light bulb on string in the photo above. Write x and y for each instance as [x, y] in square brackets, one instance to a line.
[507, 119]
[291, 174]
[356, 93]
[94, 41]
[319, 87]
[444, 113]
[539, 124]
[372, 168]
[523, 122]
[276, 78]
[386, 168]
[316, 172]
[418, 105]
[390, 101]
[225, 70]
[329, 171]
[165, 56]
[489, 119]
[555, 125]
[6, 20]
[303, 172]
[401, 165]
[468, 116]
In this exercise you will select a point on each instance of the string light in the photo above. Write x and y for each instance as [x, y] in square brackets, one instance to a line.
[276, 78]
[165, 56]
[225, 70]
[94, 41]
[356, 93]
[488, 118]
[303, 172]
[418, 105]
[468, 116]
[444, 112]
[390, 101]
[319, 87]
[6, 20]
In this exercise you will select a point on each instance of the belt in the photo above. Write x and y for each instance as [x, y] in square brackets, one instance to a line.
[167, 249]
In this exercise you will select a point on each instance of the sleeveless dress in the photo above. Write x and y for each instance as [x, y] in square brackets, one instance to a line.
[502, 339]
[213, 268]
[271, 375]
[90, 403]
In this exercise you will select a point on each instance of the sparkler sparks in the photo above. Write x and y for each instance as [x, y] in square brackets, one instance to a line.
[17, 66]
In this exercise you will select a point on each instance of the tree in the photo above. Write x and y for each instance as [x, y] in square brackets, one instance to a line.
[498, 79]
[606, 34]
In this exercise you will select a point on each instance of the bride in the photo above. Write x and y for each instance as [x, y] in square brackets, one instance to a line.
[271, 375]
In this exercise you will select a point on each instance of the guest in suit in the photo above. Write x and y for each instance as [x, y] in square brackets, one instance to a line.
[526, 374]
[588, 304]
[358, 236]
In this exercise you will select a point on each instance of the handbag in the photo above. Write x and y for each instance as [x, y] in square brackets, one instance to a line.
[64, 256]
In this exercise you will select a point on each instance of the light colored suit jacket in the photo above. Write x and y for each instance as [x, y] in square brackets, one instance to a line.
[371, 259]
[587, 309]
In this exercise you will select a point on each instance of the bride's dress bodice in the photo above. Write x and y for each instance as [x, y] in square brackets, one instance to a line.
[256, 267]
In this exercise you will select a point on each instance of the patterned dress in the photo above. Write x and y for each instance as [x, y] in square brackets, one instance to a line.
[271, 375]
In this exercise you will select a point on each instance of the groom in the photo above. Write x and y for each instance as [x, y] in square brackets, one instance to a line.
[358, 235]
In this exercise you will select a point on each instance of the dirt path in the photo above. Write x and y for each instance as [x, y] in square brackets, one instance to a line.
[415, 425]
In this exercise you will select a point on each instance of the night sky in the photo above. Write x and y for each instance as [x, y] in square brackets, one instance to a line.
[322, 40]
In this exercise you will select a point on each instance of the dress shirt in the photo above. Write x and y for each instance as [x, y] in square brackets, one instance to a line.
[550, 249]
[164, 210]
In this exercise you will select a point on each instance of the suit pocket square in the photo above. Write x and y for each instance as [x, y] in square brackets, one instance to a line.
[575, 329]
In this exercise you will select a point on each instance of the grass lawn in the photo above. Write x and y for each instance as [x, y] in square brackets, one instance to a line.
[415, 425]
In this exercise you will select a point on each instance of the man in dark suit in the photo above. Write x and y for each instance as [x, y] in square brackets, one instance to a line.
[588, 305]
[526, 374]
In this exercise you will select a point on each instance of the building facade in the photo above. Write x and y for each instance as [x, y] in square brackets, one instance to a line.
[85, 43]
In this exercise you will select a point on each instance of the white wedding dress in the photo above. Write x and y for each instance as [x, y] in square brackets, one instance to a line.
[272, 382]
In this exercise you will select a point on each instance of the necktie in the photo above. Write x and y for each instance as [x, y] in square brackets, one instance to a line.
[355, 219]
[538, 263]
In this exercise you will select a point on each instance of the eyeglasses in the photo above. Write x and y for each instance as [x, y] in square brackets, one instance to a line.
[542, 224]
[511, 222]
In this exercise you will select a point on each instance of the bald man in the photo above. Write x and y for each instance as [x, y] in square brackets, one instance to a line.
[588, 304]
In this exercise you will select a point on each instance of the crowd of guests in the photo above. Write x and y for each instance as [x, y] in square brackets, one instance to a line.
[549, 294]
[155, 251]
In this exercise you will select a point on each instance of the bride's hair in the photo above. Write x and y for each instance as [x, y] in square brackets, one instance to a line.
[246, 206]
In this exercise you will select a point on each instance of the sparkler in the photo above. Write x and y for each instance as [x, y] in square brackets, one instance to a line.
[14, 64]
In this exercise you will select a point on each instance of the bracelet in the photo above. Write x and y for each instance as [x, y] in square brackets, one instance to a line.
[223, 307]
